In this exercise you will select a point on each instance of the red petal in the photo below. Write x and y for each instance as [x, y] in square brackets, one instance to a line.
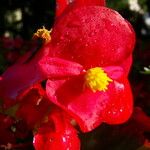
[25, 73]
[60, 6]
[87, 107]
[59, 68]
[120, 108]
[93, 36]
[18, 78]
[126, 65]
[57, 133]
[21, 75]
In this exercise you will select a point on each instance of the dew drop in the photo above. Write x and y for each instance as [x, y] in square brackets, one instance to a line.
[64, 139]
[121, 110]
[62, 38]
[83, 21]
[114, 112]
[57, 43]
[69, 1]
[80, 40]
[86, 45]
[109, 112]
[51, 139]
[95, 41]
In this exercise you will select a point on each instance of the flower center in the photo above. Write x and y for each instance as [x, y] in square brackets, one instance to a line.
[97, 80]
[43, 34]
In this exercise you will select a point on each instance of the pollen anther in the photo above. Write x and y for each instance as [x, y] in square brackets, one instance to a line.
[43, 33]
[97, 80]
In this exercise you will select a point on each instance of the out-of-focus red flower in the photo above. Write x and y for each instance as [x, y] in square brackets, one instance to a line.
[18, 42]
[56, 133]
[11, 130]
[141, 119]
[6, 136]
[7, 42]
[12, 56]
[27, 71]
[33, 106]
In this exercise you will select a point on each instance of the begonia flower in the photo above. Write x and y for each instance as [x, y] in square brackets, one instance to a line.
[101, 41]
[86, 63]
[56, 133]
[104, 96]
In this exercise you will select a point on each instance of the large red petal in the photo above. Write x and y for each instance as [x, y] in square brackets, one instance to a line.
[88, 107]
[93, 36]
[59, 68]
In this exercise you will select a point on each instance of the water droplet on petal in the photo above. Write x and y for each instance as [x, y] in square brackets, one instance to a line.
[69, 1]
[86, 45]
[64, 139]
[121, 110]
[62, 38]
[109, 112]
[51, 139]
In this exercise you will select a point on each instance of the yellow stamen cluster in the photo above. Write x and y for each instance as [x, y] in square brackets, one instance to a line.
[97, 80]
[43, 34]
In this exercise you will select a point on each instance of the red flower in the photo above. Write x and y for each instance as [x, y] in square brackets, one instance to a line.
[56, 133]
[33, 106]
[112, 104]
[6, 136]
[95, 37]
